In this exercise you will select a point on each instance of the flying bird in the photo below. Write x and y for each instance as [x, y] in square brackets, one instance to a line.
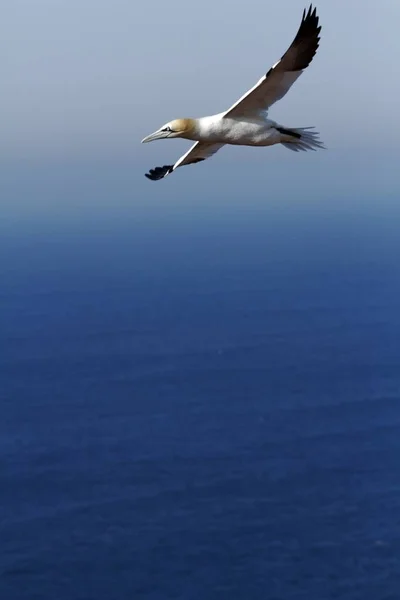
[245, 123]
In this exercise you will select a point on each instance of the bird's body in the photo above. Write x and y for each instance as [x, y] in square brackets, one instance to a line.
[246, 123]
[254, 131]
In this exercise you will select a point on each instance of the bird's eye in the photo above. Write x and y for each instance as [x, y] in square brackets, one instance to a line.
[166, 129]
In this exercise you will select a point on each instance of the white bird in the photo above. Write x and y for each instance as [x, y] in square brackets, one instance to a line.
[246, 123]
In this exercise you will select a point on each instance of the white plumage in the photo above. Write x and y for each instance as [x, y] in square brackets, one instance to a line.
[245, 123]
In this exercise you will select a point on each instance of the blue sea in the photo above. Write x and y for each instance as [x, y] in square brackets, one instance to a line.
[200, 393]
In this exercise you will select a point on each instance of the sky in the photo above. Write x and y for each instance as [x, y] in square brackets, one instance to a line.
[83, 81]
[88, 77]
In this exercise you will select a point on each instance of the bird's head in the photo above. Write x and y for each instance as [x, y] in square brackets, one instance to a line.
[180, 128]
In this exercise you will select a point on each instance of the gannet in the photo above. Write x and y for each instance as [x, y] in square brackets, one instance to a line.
[245, 123]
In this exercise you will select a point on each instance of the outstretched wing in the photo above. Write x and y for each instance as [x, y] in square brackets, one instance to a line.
[199, 151]
[279, 79]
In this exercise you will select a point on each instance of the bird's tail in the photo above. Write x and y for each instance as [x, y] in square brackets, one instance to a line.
[300, 138]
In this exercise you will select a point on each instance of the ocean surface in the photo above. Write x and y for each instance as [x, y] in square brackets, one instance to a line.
[201, 404]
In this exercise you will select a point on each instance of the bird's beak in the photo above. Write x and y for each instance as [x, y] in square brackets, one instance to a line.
[157, 135]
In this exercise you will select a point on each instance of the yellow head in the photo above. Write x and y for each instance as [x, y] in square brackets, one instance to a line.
[179, 128]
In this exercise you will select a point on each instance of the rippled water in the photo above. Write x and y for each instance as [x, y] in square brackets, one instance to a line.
[189, 418]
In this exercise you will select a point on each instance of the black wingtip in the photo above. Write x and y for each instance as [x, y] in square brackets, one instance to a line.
[159, 172]
[307, 39]
[311, 12]
[310, 17]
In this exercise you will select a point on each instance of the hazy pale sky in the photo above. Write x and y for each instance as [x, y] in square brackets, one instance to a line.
[82, 77]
